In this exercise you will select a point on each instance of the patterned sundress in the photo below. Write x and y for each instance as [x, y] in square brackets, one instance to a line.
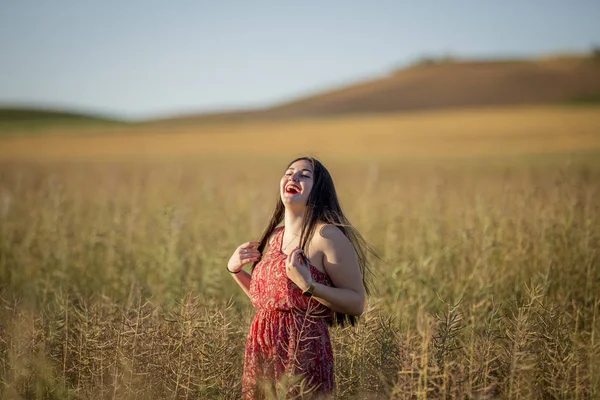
[289, 336]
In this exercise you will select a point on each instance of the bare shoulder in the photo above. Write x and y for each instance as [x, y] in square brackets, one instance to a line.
[332, 236]
[339, 256]
[330, 232]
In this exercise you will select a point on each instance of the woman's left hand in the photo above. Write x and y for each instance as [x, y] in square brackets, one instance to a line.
[297, 269]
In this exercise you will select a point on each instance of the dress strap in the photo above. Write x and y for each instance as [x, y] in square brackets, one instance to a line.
[276, 241]
[279, 238]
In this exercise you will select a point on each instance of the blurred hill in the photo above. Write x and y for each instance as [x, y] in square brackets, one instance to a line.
[15, 119]
[430, 84]
[446, 83]
[15, 114]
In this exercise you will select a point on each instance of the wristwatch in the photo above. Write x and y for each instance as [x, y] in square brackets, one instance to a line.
[309, 292]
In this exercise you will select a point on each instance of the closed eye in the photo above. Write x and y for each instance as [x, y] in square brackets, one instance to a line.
[302, 176]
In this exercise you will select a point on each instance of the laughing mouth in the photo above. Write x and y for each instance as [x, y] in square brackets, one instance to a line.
[292, 189]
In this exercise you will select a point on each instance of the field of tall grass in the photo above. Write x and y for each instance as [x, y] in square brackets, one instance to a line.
[112, 265]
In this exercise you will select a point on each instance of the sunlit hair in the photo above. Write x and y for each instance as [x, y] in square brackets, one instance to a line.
[323, 206]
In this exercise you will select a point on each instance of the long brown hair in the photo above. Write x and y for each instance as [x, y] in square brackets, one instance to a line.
[323, 206]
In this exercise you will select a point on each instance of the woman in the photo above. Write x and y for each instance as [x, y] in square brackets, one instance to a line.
[304, 282]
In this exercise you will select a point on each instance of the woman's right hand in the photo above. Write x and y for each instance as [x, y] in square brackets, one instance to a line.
[243, 255]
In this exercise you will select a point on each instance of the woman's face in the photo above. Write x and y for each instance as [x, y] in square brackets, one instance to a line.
[296, 183]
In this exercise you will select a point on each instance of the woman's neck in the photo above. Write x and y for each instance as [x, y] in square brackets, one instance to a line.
[293, 221]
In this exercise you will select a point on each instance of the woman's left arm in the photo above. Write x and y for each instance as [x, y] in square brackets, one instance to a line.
[341, 264]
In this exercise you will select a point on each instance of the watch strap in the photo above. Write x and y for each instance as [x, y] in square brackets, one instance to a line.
[311, 288]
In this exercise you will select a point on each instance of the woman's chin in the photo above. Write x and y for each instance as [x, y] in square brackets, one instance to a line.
[292, 201]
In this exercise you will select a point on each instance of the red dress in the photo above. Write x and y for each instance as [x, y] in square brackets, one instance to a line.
[289, 335]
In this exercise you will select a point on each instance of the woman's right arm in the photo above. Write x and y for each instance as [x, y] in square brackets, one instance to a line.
[243, 279]
[246, 253]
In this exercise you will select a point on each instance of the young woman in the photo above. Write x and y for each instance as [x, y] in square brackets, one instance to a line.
[312, 275]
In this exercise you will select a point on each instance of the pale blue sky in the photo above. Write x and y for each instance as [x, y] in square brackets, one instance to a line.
[138, 59]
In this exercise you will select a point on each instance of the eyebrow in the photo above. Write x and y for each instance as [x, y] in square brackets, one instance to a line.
[305, 169]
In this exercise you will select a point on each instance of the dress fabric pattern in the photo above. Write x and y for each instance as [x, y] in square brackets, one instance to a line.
[289, 335]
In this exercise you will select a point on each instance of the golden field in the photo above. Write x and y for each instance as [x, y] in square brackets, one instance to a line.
[468, 133]
[114, 241]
